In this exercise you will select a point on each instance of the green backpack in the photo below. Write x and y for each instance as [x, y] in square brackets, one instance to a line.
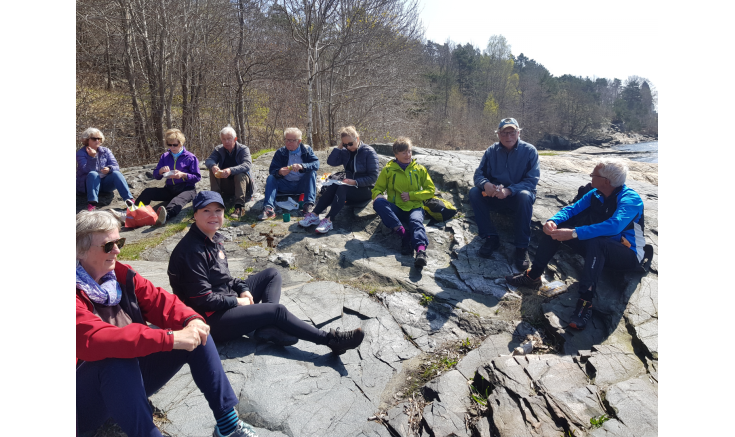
[439, 209]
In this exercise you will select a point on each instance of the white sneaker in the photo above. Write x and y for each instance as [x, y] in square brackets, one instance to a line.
[324, 227]
[161, 220]
[309, 219]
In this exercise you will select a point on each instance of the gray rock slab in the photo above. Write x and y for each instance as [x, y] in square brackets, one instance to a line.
[399, 420]
[512, 418]
[452, 390]
[492, 347]
[635, 403]
[610, 364]
[154, 271]
[443, 422]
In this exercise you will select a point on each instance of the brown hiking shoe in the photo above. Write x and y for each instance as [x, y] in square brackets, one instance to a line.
[238, 212]
[523, 280]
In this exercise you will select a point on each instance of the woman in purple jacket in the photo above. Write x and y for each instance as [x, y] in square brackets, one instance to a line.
[97, 169]
[180, 168]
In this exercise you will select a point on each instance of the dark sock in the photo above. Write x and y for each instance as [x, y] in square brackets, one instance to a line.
[227, 423]
[585, 293]
[420, 248]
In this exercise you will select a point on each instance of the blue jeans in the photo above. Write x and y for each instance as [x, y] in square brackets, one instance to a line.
[520, 205]
[306, 185]
[119, 387]
[113, 180]
[412, 220]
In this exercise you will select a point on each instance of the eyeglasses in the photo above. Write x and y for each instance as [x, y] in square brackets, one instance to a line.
[107, 247]
[173, 145]
[95, 139]
[508, 133]
[349, 144]
[592, 175]
[292, 141]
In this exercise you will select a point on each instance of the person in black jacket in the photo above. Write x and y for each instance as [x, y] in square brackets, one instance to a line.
[361, 172]
[200, 277]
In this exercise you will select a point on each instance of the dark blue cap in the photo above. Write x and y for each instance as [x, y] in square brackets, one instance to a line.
[508, 122]
[204, 198]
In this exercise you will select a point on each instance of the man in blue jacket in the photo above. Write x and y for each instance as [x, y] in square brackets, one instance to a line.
[292, 171]
[506, 181]
[230, 168]
[605, 226]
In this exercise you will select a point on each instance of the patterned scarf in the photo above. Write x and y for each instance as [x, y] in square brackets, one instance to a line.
[107, 294]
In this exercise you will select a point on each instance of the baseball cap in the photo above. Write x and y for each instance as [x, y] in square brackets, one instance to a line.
[508, 122]
[204, 198]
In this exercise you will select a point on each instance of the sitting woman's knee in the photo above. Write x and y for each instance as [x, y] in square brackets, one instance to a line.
[271, 273]
[92, 175]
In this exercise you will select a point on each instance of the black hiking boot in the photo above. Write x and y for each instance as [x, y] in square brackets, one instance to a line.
[523, 280]
[582, 314]
[267, 214]
[490, 245]
[341, 341]
[522, 262]
[275, 336]
[420, 259]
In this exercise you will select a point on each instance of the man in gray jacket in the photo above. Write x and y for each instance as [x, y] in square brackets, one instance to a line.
[230, 170]
[506, 181]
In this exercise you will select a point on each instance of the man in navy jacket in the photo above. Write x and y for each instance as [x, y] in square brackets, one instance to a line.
[506, 181]
[292, 171]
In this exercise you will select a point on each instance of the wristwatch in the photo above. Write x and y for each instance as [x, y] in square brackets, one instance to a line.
[574, 233]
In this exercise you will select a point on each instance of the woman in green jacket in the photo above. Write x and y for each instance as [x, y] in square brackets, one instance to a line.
[407, 184]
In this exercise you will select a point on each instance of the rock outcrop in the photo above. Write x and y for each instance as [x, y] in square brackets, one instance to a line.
[437, 356]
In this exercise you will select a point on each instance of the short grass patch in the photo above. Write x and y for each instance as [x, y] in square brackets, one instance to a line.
[548, 153]
[132, 251]
[255, 155]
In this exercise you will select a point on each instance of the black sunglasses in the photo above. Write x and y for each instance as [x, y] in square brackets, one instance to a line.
[349, 144]
[107, 247]
[95, 139]
[172, 145]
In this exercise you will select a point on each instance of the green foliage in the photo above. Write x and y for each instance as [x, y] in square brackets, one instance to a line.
[426, 300]
[132, 251]
[479, 397]
[597, 422]
[257, 154]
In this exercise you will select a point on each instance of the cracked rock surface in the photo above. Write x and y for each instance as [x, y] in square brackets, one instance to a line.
[355, 276]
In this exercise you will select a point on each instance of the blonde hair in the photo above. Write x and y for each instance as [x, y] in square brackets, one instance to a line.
[349, 131]
[174, 134]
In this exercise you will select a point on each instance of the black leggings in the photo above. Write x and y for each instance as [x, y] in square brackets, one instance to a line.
[266, 290]
[336, 195]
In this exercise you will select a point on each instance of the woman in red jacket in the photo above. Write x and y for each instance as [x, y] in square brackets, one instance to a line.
[124, 359]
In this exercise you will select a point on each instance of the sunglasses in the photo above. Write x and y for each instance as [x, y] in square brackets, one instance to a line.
[349, 144]
[172, 145]
[107, 247]
[95, 139]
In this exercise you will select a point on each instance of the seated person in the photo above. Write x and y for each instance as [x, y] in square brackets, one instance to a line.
[97, 170]
[605, 226]
[125, 360]
[407, 184]
[292, 171]
[179, 188]
[361, 171]
[230, 170]
[200, 276]
[506, 181]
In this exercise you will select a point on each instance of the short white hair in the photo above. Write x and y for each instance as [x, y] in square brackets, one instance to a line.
[228, 131]
[92, 131]
[90, 223]
[292, 130]
[613, 169]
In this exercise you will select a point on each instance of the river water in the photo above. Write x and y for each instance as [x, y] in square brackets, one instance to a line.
[644, 152]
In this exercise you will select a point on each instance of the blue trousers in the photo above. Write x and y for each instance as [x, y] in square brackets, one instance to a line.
[306, 185]
[412, 220]
[520, 205]
[119, 387]
[113, 181]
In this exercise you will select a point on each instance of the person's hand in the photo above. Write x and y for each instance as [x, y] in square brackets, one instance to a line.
[242, 301]
[562, 234]
[405, 196]
[490, 189]
[178, 175]
[194, 334]
[215, 169]
[284, 171]
[163, 170]
[91, 152]
[502, 193]
[105, 170]
[349, 181]
[296, 167]
[246, 295]
[379, 196]
[549, 227]
[226, 173]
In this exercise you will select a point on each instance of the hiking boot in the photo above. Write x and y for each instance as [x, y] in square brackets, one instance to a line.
[420, 259]
[242, 430]
[523, 280]
[324, 226]
[275, 336]
[521, 259]
[91, 207]
[341, 341]
[582, 314]
[267, 214]
[237, 212]
[161, 220]
[490, 245]
[406, 248]
[307, 208]
[309, 219]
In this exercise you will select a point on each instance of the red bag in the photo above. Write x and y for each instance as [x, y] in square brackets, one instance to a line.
[144, 216]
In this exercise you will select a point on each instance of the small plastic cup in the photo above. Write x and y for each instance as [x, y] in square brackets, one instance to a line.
[286, 217]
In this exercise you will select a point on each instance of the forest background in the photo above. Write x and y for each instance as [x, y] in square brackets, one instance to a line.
[144, 66]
